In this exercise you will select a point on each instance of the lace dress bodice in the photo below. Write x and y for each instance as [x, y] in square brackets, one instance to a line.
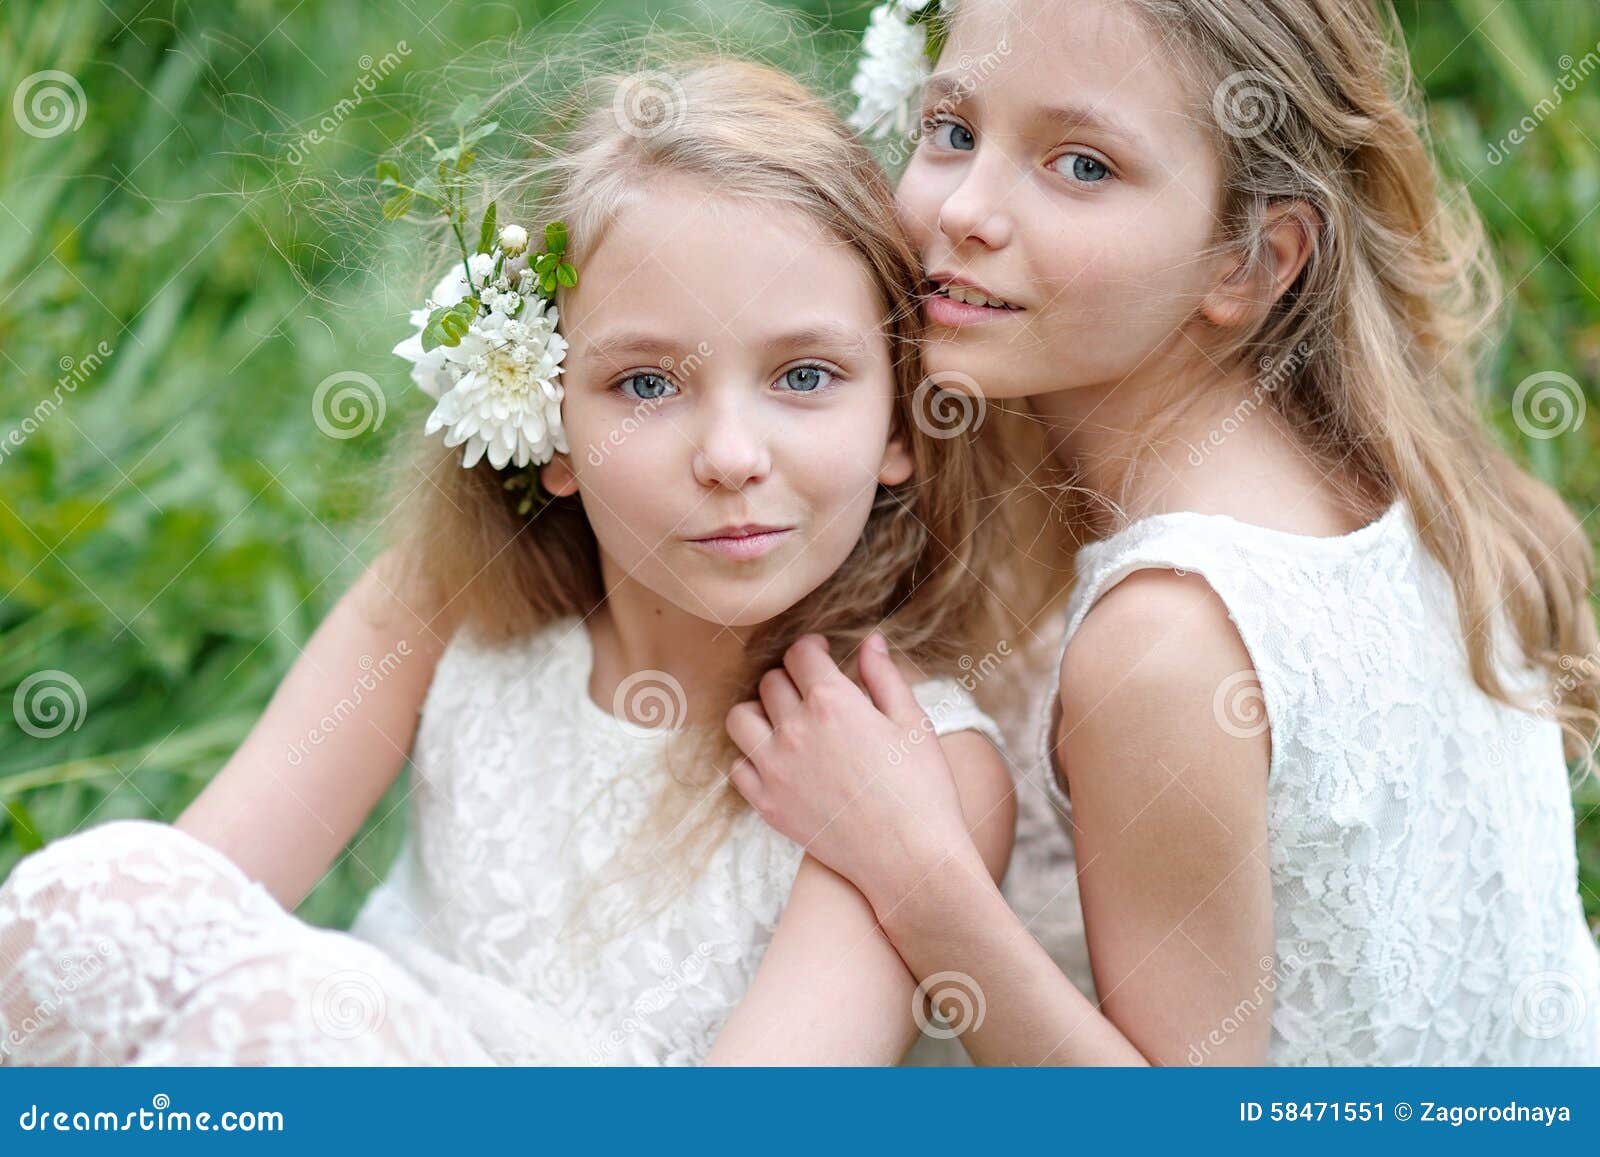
[524, 790]
[1424, 877]
[491, 941]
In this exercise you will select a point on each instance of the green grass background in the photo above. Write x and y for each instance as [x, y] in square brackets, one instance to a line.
[172, 534]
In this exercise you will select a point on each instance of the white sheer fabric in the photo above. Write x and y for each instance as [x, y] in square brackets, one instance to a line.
[1424, 874]
[487, 944]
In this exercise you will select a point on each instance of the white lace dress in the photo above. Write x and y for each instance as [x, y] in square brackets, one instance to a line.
[133, 943]
[1424, 877]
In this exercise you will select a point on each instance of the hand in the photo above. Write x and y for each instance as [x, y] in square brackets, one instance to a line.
[861, 783]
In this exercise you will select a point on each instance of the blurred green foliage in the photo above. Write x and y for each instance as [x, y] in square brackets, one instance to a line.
[177, 523]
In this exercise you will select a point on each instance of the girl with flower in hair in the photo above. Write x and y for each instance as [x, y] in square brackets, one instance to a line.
[1327, 649]
[677, 435]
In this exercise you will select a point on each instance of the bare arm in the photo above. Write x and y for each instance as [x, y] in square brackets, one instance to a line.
[330, 743]
[1170, 815]
[831, 988]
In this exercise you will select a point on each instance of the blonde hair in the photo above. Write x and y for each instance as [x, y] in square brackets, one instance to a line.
[1314, 101]
[750, 132]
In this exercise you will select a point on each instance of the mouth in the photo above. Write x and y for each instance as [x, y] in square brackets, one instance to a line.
[952, 302]
[744, 541]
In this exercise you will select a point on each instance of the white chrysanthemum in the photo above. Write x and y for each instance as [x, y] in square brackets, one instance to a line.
[505, 401]
[428, 366]
[893, 68]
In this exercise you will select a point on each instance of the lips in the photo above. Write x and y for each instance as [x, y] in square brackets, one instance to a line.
[739, 530]
[743, 541]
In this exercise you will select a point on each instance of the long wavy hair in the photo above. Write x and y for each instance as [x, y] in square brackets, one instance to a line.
[1392, 316]
[922, 570]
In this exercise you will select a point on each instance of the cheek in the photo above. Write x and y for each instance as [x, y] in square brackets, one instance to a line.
[1127, 282]
[834, 469]
[625, 478]
[918, 198]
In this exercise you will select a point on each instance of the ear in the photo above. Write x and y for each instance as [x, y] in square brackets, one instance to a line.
[897, 465]
[1245, 293]
[557, 476]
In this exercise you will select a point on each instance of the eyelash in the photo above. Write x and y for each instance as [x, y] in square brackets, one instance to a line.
[931, 125]
[835, 376]
[1110, 173]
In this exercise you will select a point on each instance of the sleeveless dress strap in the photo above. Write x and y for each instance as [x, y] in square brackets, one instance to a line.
[1242, 563]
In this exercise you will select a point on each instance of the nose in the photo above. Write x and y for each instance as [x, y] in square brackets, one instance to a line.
[975, 209]
[730, 447]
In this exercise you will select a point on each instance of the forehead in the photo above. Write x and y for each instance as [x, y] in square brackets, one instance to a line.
[717, 264]
[1021, 59]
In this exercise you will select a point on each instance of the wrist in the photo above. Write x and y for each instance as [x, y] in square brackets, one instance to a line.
[922, 877]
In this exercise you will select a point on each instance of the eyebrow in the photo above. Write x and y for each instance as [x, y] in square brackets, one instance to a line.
[832, 335]
[950, 89]
[1078, 116]
[637, 343]
[631, 342]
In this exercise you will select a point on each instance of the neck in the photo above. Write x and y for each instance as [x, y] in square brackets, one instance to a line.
[638, 631]
[1200, 439]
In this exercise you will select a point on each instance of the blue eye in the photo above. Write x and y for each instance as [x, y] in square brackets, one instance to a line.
[647, 387]
[960, 137]
[1085, 168]
[805, 379]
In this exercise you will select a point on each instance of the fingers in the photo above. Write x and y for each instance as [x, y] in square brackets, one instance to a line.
[779, 695]
[809, 665]
[890, 692]
[747, 780]
[748, 726]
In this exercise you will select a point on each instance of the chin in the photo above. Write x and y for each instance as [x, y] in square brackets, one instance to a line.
[735, 604]
[965, 354]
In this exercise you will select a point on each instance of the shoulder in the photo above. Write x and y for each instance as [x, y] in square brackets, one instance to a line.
[1151, 687]
[1155, 634]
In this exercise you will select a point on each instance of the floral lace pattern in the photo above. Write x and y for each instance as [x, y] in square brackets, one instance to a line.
[134, 943]
[526, 788]
[1424, 875]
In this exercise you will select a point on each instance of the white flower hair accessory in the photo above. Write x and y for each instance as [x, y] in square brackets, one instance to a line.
[894, 66]
[486, 347]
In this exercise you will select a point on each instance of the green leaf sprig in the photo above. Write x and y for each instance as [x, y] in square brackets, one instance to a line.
[445, 190]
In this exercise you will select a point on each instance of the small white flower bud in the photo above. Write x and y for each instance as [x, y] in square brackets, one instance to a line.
[513, 240]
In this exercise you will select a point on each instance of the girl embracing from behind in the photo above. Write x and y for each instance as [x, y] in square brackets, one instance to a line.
[1328, 649]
